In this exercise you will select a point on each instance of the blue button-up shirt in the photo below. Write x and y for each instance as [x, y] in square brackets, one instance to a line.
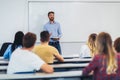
[54, 29]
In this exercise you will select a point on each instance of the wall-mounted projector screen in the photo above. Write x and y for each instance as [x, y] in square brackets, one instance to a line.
[77, 19]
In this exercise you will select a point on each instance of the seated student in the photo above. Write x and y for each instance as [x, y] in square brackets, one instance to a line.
[45, 51]
[17, 43]
[117, 45]
[88, 49]
[106, 64]
[23, 60]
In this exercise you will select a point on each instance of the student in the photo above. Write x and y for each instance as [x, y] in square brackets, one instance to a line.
[45, 51]
[117, 45]
[54, 29]
[23, 60]
[17, 43]
[106, 64]
[88, 50]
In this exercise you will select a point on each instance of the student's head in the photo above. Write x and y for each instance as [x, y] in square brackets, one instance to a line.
[45, 36]
[104, 43]
[51, 15]
[92, 37]
[117, 45]
[29, 40]
[104, 47]
[18, 38]
[91, 43]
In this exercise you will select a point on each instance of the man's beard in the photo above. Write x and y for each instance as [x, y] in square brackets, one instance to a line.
[51, 19]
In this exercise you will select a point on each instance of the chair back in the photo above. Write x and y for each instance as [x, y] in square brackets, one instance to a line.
[4, 47]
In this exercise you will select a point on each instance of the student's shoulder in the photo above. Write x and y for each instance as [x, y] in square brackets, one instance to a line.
[32, 54]
[16, 52]
[118, 55]
[98, 57]
[50, 46]
[37, 46]
[34, 58]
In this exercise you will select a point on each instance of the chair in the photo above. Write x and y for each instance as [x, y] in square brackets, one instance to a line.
[4, 47]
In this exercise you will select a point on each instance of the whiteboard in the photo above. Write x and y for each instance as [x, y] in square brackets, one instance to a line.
[77, 19]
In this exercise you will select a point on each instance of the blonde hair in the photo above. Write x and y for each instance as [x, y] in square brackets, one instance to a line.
[104, 47]
[91, 43]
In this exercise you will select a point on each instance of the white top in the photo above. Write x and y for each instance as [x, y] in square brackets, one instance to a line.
[84, 51]
[23, 61]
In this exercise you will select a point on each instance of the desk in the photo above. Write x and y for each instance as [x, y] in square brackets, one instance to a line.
[69, 65]
[3, 68]
[70, 56]
[41, 75]
[58, 66]
[74, 60]
[1, 58]
[64, 56]
[4, 62]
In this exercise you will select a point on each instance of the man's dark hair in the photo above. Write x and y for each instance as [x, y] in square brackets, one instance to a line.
[29, 40]
[117, 44]
[50, 13]
[17, 40]
[44, 35]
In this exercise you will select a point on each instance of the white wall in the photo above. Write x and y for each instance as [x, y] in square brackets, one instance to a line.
[14, 17]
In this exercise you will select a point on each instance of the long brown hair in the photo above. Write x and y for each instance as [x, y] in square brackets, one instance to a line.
[104, 47]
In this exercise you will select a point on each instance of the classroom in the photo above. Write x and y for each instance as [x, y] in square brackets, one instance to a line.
[77, 18]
